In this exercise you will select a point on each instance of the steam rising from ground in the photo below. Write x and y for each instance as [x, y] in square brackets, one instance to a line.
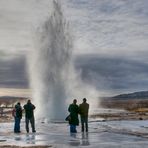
[53, 79]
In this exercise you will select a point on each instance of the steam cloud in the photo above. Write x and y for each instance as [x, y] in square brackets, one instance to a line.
[52, 76]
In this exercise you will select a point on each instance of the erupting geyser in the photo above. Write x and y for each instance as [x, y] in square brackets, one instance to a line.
[50, 66]
[52, 76]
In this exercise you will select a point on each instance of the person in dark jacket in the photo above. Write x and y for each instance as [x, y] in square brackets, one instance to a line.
[83, 111]
[74, 121]
[29, 116]
[17, 113]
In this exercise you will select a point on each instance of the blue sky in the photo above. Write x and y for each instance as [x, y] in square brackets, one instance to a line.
[111, 32]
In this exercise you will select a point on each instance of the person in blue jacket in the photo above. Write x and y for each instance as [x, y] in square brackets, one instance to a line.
[17, 113]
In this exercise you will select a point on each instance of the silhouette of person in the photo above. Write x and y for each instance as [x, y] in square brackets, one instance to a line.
[83, 111]
[74, 121]
[29, 116]
[17, 113]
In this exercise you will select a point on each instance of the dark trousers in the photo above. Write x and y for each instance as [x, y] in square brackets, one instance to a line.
[32, 122]
[84, 123]
[73, 128]
[17, 124]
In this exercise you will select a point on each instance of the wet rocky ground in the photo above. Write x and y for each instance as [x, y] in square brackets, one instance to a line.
[104, 134]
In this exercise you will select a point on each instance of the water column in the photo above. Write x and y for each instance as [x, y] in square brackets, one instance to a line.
[50, 66]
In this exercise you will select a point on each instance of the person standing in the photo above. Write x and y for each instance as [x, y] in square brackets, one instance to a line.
[17, 113]
[29, 116]
[74, 121]
[83, 111]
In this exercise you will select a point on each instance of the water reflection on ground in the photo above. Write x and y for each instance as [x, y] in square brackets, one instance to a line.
[77, 140]
[30, 139]
[85, 139]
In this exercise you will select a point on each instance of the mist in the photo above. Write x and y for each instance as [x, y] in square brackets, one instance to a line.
[54, 81]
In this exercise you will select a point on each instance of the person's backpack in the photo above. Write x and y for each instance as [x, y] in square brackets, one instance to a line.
[19, 113]
[68, 118]
[14, 112]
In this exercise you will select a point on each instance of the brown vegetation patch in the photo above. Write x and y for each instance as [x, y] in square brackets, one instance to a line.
[14, 146]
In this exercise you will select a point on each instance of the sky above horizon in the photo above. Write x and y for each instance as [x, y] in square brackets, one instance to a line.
[104, 28]
[98, 26]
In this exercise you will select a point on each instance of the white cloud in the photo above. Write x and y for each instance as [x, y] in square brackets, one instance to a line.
[17, 19]
[105, 26]
[112, 28]
[98, 26]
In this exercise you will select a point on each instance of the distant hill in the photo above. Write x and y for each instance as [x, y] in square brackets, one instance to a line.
[129, 101]
[135, 95]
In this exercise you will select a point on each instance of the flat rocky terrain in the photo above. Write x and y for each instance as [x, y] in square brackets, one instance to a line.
[109, 132]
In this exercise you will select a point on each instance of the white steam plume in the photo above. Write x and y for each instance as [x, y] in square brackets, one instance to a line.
[52, 76]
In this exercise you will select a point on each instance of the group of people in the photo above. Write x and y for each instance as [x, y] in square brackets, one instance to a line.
[73, 119]
[75, 110]
[29, 116]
